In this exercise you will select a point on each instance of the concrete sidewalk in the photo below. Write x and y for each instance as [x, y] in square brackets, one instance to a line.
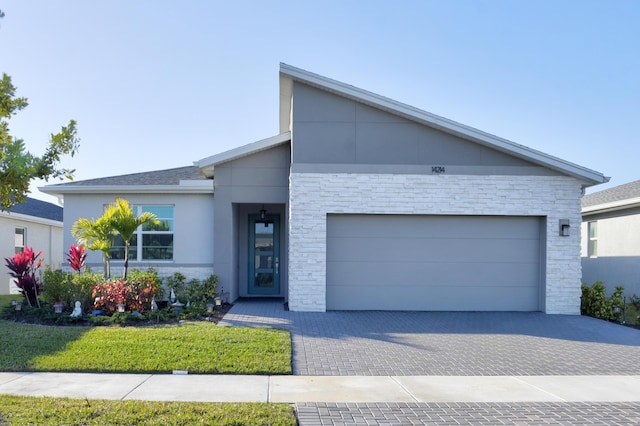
[320, 389]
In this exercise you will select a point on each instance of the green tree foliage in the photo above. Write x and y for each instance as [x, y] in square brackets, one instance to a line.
[18, 167]
[118, 219]
[125, 222]
[96, 235]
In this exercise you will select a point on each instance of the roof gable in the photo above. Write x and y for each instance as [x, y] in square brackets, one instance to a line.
[289, 74]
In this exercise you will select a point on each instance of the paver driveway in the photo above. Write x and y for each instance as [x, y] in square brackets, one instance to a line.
[447, 343]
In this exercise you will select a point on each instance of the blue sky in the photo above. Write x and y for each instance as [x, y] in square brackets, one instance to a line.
[160, 84]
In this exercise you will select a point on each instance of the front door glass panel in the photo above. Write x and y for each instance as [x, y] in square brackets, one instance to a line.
[264, 256]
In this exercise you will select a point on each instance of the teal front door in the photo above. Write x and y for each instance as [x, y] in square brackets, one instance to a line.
[264, 255]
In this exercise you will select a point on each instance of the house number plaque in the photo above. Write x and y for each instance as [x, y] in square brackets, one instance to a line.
[437, 169]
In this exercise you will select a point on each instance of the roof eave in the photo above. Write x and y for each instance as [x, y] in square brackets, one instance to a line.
[629, 203]
[29, 218]
[185, 187]
[289, 73]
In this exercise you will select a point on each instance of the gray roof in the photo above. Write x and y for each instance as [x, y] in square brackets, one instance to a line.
[617, 193]
[157, 177]
[38, 208]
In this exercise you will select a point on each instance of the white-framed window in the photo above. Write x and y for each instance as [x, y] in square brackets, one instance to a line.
[20, 239]
[592, 249]
[150, 242]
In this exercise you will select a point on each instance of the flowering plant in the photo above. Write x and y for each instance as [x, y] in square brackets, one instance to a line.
[76, 257]
[23, 267]
[136, 296]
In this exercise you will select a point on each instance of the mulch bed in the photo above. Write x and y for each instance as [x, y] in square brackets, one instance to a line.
[86, 321]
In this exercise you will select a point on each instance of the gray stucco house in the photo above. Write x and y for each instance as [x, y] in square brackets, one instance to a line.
[34, 223]
[611, 237]
[362, 202]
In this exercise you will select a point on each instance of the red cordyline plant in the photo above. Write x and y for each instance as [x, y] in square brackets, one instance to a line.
[23, 267]
[76, 257]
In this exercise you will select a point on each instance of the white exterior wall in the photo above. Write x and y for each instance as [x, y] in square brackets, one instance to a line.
[193, 231]
[41, 234]
[314, 195]
[617, 235]
[618, 259]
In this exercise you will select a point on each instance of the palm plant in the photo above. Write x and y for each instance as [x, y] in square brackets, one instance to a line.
[125, 222]
[96, 235]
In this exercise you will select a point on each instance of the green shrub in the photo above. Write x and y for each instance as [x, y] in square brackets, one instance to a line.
[176, 282]
[56, 286]
[68, 288]
[82, 288]
[594, 301]
[201, 292]
[194, 291]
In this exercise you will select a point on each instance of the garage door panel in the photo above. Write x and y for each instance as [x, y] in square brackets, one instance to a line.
[433, 262]
[436, 298]
[435, 250]
[382, 274]
[438, 227]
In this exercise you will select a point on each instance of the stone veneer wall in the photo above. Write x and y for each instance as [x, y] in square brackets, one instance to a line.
[313, 195]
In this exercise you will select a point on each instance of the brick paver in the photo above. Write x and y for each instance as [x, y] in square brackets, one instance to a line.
[538, 413]
[375, 343]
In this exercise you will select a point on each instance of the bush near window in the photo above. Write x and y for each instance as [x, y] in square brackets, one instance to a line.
[595, 303]
[196, 292]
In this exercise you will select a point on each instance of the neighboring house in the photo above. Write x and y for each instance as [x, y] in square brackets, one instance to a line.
[36, 224]
[611, 237]
[362, 202]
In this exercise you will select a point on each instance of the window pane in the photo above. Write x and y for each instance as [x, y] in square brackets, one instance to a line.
[117, 248]
[164, 215]
[157, 246]
[593, 229]
[264, 280]
[19, 238]
[162, 225]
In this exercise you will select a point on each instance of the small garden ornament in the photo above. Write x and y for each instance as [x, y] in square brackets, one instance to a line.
[77, 311]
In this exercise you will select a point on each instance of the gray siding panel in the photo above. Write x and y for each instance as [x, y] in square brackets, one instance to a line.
[329, 129]
[433, 262]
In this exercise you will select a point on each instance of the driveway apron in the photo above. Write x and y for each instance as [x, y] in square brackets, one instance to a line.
[382, 343]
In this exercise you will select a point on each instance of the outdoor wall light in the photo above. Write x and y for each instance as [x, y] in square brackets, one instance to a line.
[263, 213]
[564, 227]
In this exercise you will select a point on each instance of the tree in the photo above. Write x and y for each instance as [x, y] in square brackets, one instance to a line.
[18, 167]
[96, 235]
[125, 222]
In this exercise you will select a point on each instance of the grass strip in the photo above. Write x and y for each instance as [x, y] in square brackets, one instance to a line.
[20, 410]
[198, 347]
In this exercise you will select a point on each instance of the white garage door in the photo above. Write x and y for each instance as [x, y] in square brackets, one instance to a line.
[433, 263]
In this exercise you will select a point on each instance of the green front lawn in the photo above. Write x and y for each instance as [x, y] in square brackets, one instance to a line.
[5, 299]
[18, 410]
[198, 347]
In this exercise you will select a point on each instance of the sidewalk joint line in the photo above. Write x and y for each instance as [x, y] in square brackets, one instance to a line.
[394, 378]
[137, 386]
[518, 378]
[268, 389]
